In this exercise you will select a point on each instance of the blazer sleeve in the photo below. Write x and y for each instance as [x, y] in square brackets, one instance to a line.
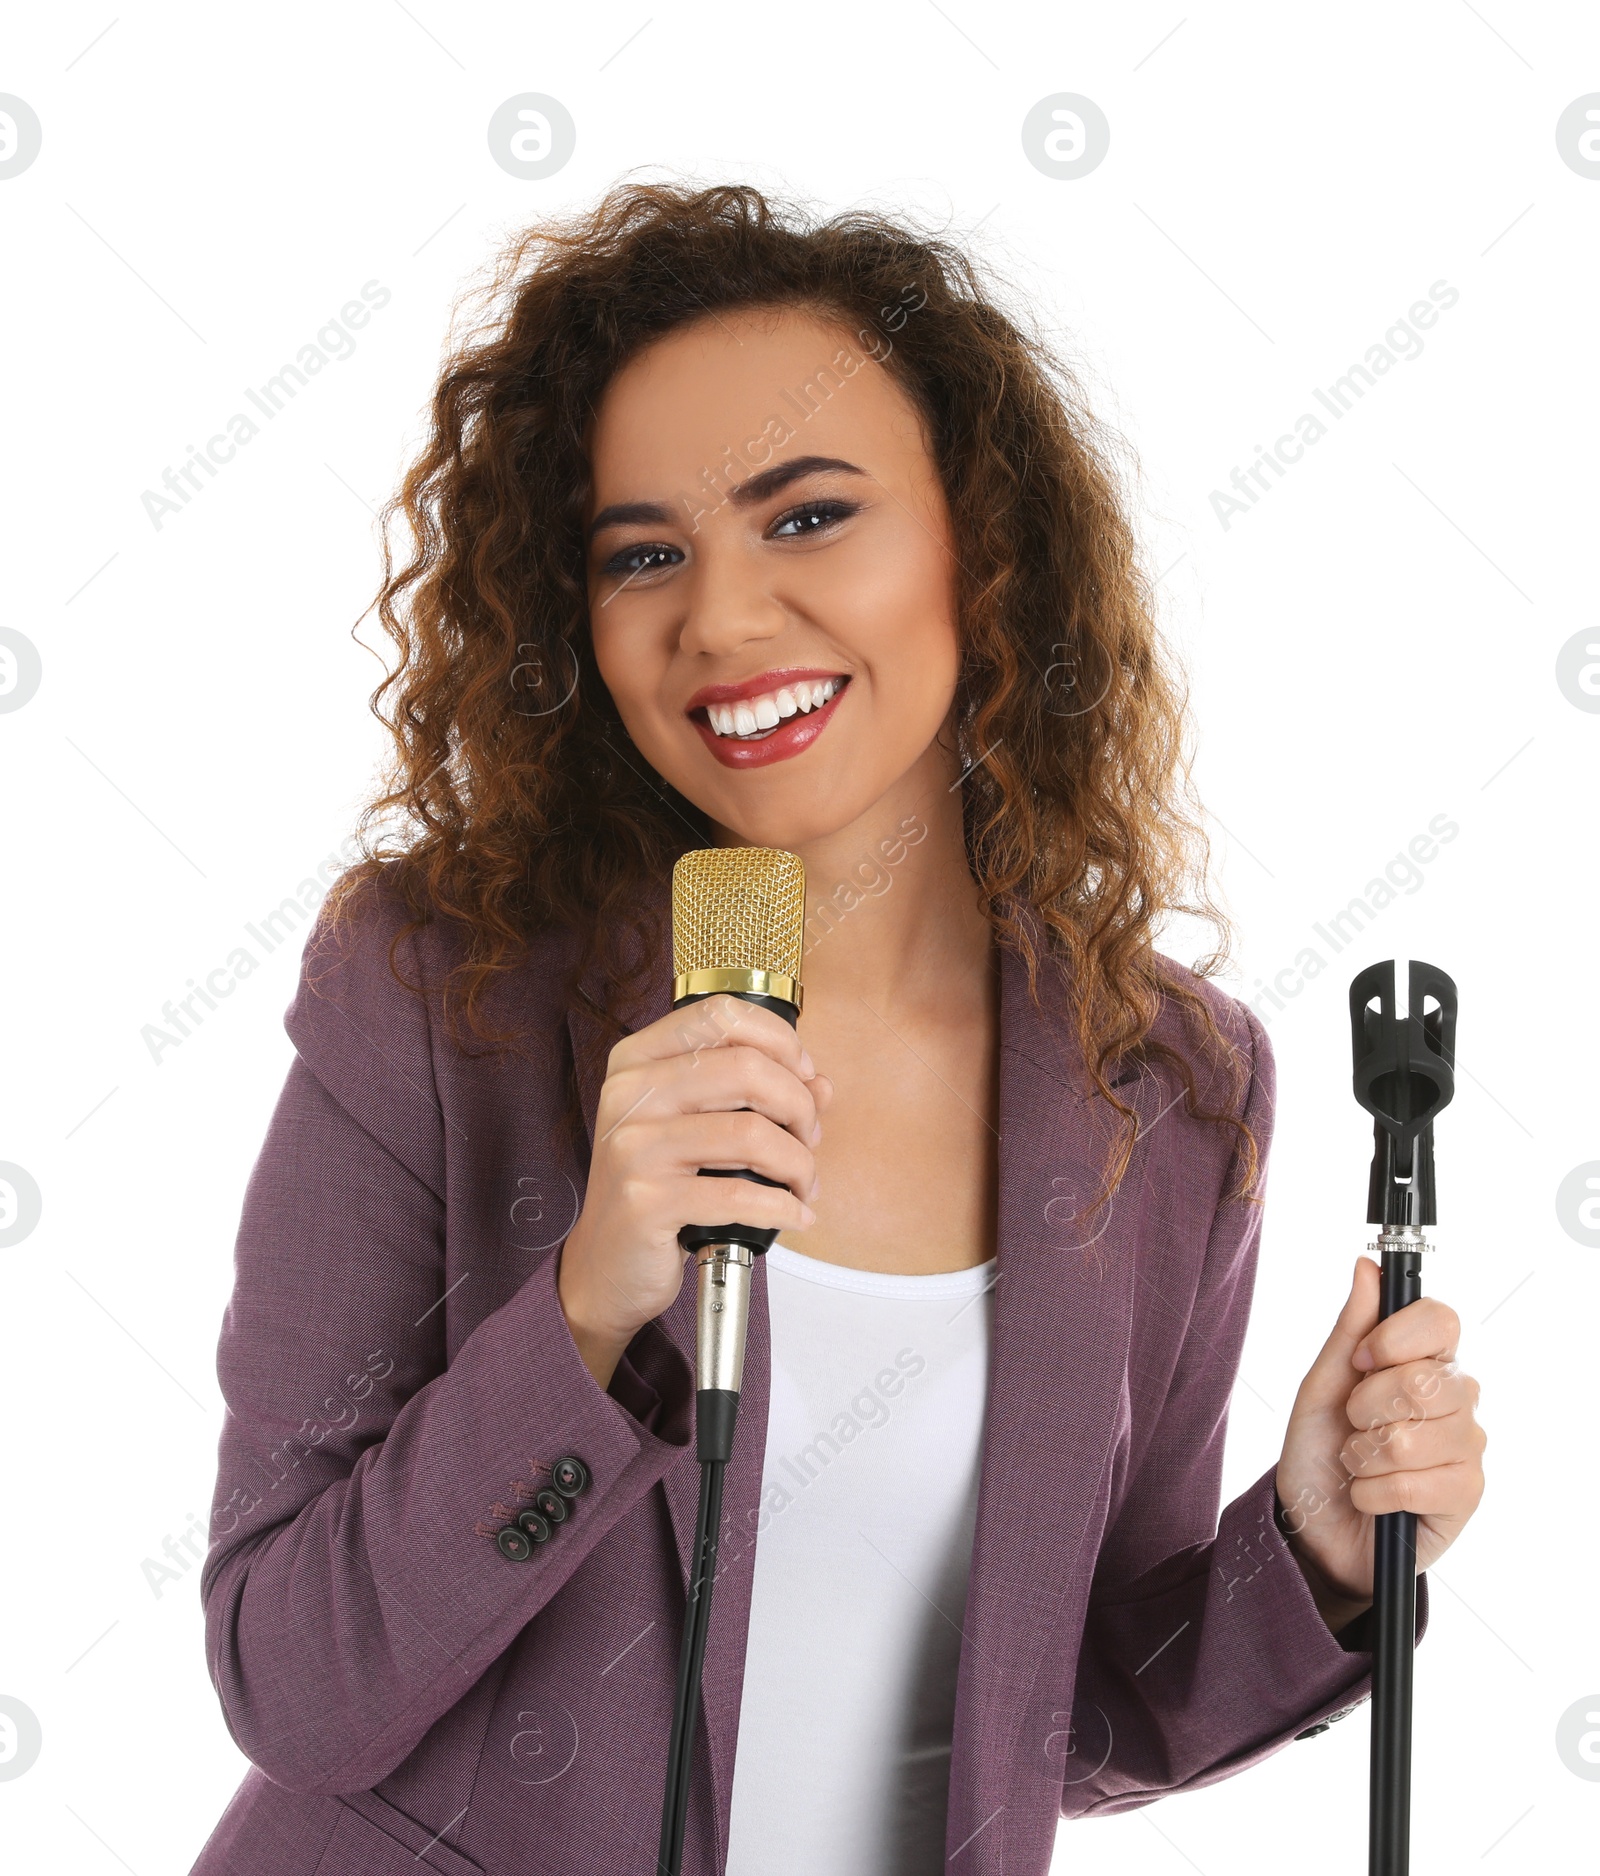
[352, 1590]
[1204, 1653]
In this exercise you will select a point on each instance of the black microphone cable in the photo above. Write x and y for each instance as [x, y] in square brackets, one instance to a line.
[715, 1412]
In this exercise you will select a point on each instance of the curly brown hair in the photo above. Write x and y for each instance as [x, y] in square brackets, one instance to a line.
[525, 805]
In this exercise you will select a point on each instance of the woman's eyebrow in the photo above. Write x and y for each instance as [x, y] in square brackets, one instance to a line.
[756, 488]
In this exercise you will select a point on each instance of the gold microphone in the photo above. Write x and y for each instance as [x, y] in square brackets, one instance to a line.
[738, 920]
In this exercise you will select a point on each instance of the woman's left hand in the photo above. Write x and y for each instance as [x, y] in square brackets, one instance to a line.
[1383, 1422]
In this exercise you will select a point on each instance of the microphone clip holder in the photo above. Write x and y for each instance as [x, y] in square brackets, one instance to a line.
[1404, 1074]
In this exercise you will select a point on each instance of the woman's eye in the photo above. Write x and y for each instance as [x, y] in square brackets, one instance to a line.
[644, 558]
[822, 514]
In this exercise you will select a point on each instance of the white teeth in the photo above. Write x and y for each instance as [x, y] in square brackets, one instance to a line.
[756, 715]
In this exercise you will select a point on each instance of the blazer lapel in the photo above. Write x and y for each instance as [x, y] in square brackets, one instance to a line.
[1057, 1407]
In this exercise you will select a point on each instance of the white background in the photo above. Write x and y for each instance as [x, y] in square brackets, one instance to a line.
[1372, 645]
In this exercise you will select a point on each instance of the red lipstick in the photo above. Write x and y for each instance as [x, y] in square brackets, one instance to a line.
[755, 686]
[791, 737]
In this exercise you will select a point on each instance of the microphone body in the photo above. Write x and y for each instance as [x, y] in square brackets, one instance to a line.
[725, 1263]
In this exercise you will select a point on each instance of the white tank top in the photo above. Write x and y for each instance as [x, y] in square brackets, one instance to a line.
[869, 1490]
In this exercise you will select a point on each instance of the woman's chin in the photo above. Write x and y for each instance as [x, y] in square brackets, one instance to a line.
[793, 832]
[762, 809]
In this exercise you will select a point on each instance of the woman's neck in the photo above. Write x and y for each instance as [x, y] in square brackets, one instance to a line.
[902, 1016]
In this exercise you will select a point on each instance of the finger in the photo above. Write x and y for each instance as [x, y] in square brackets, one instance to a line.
[1425, 1327]
[713, 1023]
[1417, 1390]
[725, 1079]
[722, 1201]
[1328, 1382]
[1412, 1445]
[738, 1142]
[1438, 1492]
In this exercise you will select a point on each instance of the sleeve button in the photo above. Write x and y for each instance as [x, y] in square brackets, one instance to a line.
[570, 1476]
[512, 1543]
[536, 1527]
[551, 1506]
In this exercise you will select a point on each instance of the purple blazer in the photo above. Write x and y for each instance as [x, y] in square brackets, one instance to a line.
[399, 1380]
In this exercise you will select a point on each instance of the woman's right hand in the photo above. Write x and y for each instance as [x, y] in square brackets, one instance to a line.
[670, 1106]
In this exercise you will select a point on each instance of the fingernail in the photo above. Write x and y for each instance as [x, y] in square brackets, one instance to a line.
[1362, 1358]
[816, 1133]
[816, 1187]
[807, 1215]
[807, 1067]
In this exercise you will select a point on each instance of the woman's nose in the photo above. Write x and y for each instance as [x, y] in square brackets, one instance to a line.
[729, 607]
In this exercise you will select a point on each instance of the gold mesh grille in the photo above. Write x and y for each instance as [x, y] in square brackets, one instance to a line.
[738, 908]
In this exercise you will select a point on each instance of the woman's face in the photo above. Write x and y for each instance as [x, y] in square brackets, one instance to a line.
[771, 592]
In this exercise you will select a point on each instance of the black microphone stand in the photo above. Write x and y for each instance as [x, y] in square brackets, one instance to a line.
[1404, 1074]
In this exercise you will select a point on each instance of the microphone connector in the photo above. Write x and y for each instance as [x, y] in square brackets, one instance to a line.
[723, 1312]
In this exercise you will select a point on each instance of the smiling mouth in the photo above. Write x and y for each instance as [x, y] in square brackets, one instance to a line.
[754, 719]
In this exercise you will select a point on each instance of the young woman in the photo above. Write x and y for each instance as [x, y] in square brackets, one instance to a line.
[734, 529]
